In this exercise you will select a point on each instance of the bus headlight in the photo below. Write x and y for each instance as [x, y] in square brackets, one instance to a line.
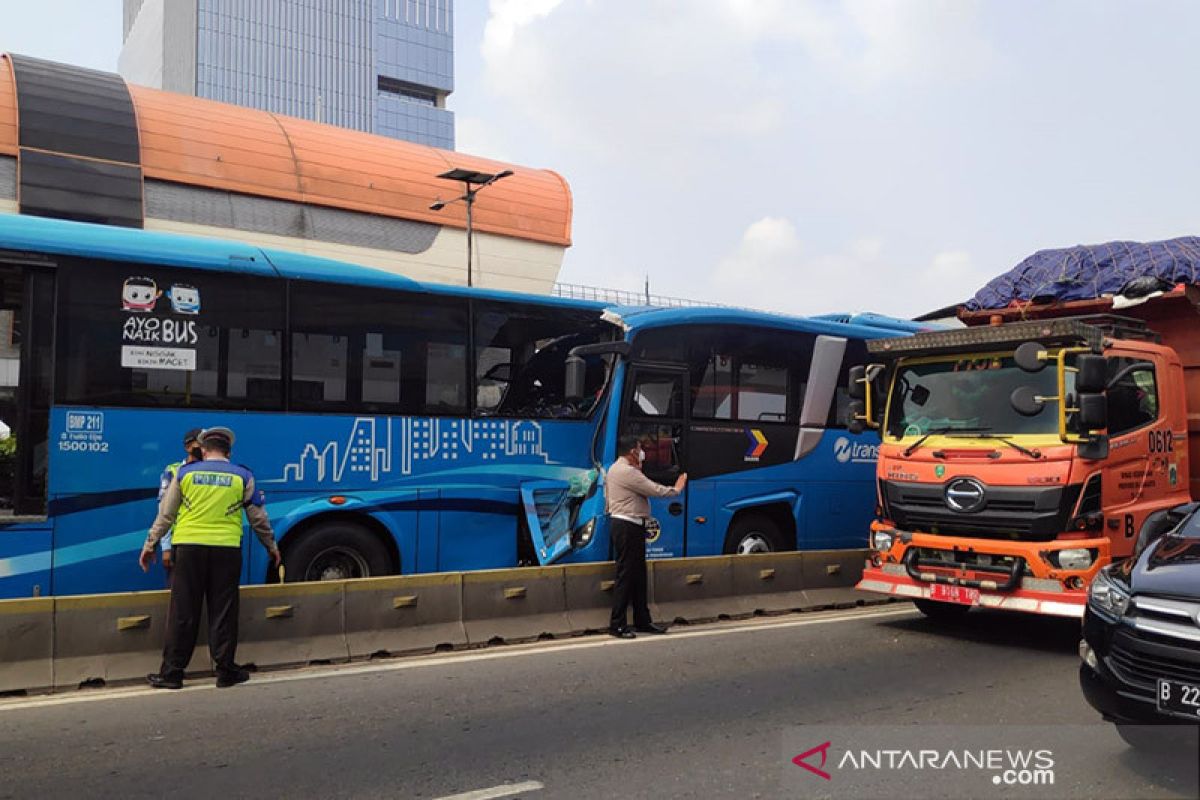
[882, 541]
[1107, 596]
[583, 534]
[1075, 558]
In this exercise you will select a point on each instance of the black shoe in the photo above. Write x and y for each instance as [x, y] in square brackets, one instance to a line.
[651, 628]
[227, 679]
[622, 633]
[159, 682]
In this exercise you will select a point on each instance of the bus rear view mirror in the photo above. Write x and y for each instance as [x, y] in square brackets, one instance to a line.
[856, 416]
[1030, 357]
[576, 377]
[1091, 375]
[1093, 411]
[1026, 402]
[856, 387]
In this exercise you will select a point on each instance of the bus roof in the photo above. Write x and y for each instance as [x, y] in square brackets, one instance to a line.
[81, 239]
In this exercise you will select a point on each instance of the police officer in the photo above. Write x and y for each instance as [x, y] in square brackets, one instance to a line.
[204, 502]
[192, 451]
[626, 493]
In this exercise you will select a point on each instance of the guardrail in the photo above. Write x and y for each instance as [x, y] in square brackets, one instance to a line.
[65, 642]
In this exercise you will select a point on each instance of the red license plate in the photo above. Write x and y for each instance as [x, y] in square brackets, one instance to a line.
[963, 595]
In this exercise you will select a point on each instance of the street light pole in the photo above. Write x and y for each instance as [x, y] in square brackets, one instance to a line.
[473, 182]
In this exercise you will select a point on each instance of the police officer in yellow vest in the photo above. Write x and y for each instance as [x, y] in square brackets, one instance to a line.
[204, 503]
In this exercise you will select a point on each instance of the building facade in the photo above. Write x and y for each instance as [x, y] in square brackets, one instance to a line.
[381, 66]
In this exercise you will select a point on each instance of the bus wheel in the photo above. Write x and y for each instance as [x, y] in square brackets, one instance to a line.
[753, 533]
[943, 611]
[336, 551]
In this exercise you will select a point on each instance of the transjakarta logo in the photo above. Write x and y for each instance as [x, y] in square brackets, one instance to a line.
[845, 451]
[1008, 767]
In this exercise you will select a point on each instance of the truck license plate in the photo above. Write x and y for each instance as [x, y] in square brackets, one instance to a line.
[1178, 698]
[963, 595]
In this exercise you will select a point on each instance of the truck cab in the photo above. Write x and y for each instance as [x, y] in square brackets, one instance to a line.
[1018, 458]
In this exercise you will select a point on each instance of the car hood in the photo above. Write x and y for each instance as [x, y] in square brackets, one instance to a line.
[1170, 566]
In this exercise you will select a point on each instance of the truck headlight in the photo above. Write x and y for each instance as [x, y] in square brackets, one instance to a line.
[882, 540]
[1107, 596]
[1075, 558]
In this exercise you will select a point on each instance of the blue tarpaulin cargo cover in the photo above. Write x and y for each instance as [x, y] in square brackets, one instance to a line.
[1086, 272]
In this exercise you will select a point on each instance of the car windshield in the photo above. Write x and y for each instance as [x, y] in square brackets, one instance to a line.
[968, 394]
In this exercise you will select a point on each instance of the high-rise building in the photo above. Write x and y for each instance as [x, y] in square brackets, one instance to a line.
[383, 66]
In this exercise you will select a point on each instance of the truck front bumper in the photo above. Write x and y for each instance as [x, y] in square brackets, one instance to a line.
[893, 579]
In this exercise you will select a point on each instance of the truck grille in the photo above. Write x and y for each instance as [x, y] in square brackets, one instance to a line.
[1010, 512]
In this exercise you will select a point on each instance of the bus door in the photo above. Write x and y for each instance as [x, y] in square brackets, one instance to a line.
[26, 372]
[655, 408]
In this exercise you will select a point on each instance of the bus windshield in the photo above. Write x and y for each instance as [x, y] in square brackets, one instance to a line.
[538, 388]
[967, 394]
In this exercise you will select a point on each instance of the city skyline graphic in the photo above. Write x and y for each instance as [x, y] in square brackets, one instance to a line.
[377, 447]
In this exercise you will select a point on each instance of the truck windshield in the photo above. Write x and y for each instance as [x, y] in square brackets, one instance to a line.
[968, 394]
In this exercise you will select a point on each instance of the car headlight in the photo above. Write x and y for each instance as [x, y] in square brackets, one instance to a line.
[1075, 558]
[882, 540]
[1107, 596]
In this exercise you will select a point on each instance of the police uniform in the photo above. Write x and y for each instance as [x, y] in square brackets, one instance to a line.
[203, 507]
[192, 437]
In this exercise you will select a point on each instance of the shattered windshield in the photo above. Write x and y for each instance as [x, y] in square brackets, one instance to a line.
[970, 393]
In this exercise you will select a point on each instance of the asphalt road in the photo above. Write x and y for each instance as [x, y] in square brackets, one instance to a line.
[708, 711]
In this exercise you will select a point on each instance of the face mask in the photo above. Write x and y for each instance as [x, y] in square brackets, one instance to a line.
[196, 453]
[641, 456]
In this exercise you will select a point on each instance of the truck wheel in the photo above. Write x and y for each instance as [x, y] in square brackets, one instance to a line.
[935, 609]
[753, 533]
[336, 551]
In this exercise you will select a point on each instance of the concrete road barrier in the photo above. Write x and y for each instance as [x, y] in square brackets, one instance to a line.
[589, 593]
[769, 582]
[404, 614]
[292, 623]
[514, 604]
[26, 644]
[830, 576]
[112, 637]
[693, 589]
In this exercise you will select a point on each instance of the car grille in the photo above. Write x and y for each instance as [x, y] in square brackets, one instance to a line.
[1137, 665]
[1010, 512]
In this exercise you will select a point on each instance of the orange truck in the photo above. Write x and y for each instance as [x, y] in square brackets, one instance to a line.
[1022, 453]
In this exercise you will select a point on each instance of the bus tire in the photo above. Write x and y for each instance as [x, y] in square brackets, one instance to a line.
[336, 550]
[753, 533]
[935, 609]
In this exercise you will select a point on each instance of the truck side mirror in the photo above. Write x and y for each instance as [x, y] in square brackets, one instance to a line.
[1091, 374]
[1025, 401]
[856, 387]
[1093, 411]
[576, 377]
[1030, 357]
[856, 416]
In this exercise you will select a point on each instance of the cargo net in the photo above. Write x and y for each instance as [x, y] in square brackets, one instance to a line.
[1130, 272]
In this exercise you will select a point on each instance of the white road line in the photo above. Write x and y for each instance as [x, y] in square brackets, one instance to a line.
[503, 790]
[490, 654]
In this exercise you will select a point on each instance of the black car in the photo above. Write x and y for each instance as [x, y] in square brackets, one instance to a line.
[1141, 630]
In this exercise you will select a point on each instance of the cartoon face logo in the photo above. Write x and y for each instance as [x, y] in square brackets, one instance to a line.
[139, 294]
[184, 299]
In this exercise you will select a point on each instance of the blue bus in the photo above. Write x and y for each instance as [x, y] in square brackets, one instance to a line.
[397, 427]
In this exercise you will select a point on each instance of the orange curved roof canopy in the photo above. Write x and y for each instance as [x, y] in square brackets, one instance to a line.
[204, 143]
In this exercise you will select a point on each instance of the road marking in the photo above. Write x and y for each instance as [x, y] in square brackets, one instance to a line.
[503, 790]
[468, 656]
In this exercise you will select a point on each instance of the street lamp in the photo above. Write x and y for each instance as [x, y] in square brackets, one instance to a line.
[473, 182]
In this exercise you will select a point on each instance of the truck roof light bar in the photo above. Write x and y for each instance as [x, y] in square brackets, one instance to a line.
[1050, 332]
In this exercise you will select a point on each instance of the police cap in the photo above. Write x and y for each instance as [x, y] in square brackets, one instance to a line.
[217, 434]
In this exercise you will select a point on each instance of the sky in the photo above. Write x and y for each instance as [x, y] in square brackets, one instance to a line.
[811, 156]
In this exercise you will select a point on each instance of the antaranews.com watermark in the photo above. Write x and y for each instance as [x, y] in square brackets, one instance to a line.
[984, 761]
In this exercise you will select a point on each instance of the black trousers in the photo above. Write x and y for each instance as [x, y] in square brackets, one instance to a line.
[629, 544]
[203, 575]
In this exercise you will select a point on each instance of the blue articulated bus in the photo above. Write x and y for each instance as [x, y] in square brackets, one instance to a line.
[397, 427]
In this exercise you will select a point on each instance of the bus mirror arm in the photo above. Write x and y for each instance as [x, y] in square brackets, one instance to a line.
[576, 364]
